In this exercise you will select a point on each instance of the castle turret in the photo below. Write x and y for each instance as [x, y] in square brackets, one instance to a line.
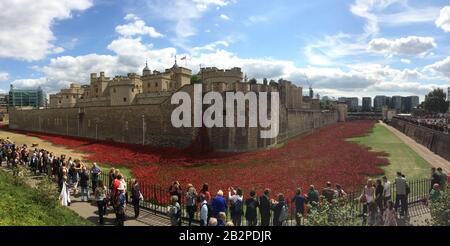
[146, 71]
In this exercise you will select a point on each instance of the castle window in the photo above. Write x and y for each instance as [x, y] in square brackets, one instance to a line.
[59, 101]
[156, 84]
[132, 89]
[74, 96]
[67, 97]
[96, 90]
[114, 90]
[124, 99]
[148, 85]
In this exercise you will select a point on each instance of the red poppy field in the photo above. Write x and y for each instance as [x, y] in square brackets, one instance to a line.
[322, 156]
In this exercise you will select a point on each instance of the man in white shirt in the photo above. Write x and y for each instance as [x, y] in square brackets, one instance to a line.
[386, 191]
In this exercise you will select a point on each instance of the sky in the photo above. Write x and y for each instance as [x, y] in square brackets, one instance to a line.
[343, 48]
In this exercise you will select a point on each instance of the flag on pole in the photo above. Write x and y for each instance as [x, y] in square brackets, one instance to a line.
[184, 58]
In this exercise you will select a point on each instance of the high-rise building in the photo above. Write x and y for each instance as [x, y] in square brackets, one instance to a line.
[366, 104]
[3, 100]
[352, 103]
[26, 98]
[396, 103]
[414, 101]
[379, 102]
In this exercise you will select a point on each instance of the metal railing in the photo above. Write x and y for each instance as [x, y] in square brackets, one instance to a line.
[157, 198]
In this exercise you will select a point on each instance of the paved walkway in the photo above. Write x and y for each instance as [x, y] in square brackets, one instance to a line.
[428, 155]
[88, 210]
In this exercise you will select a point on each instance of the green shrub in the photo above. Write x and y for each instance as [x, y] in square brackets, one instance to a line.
[440, 210]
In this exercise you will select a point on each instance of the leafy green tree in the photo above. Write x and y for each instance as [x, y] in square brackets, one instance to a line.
[253, 81]
[195, 79]
[435, 101]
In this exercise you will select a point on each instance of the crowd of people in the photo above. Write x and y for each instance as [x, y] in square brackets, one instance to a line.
[73, 177]
[439, 122]
[379, 208]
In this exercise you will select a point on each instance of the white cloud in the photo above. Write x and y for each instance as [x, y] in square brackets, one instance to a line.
[27, 34]
[224, 17]
[182, 14]
[210, 47]
[411, 45]
[444, 19]
[374, 11]
[137, 27]
[4, 76]
[254, 19]
[406, 61]
[442, 67]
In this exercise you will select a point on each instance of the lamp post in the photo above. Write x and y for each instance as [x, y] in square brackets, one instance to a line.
[143, 129]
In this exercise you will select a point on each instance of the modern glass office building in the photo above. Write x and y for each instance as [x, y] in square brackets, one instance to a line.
[27, 97]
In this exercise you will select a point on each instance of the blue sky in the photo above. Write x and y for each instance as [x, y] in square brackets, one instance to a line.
[345, 48]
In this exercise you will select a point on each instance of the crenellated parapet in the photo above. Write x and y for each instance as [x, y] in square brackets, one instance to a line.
[214, 75]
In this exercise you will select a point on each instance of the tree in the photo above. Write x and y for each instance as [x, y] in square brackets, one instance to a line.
[195, 79]
[253, 81]
[435, 102]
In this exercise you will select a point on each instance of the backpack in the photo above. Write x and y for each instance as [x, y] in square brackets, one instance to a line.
[284, 213]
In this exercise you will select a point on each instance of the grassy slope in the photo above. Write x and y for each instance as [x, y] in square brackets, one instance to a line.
[401, 156]
[19, 206]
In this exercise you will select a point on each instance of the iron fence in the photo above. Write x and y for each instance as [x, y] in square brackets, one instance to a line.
[157, 198]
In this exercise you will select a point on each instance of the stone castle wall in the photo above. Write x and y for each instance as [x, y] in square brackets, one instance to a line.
[150, 124]
[436, 141]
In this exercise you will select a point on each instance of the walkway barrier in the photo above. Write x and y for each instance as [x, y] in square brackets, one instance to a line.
[157, 199]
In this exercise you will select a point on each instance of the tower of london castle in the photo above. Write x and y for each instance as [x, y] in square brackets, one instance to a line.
[137, 109]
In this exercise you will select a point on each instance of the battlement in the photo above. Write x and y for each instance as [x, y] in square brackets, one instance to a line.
[214, 75]
[102, 77]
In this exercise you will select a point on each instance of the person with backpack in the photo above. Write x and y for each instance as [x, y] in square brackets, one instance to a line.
[203, 211]
[236, 201]
[191, 197]
[251, 205]
[401, 197]
[174, 212]
[280, 211]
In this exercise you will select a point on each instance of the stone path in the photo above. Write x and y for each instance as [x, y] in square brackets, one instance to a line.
[428, 155]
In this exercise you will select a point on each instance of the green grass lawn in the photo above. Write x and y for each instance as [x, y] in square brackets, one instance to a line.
[20, 206]
[402, 157]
